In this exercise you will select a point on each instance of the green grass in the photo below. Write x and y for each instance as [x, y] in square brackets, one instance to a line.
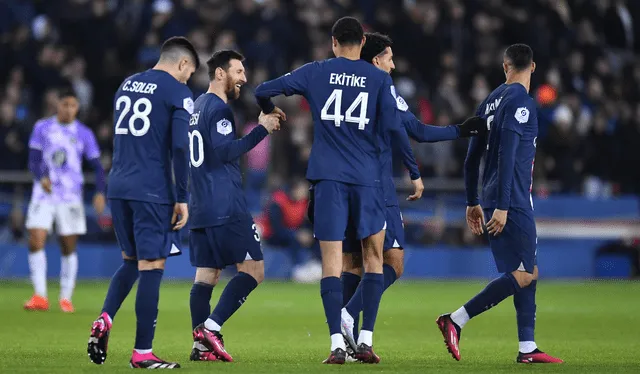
[594, 326]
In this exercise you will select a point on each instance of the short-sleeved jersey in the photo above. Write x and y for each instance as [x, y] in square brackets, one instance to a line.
[351, 102]
[216, 195]
[509, 108]
[144, 107]
[62, 146]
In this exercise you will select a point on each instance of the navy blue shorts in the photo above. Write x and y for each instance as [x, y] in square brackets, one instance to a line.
[217, 247]
[393, 237]
[144, 230]
[340, 204]
[515, 247]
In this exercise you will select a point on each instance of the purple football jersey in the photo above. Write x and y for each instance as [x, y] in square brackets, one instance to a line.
[62, 149]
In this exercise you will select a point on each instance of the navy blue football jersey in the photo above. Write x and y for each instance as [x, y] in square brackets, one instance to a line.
[509, 149]
[216, 191]
[352, 103]
[151, 118]
[417, 131]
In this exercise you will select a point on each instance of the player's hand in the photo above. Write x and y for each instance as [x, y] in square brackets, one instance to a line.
[181, 215]
[497, 222]
[475, 219]
[473, 126]
[418, 187]
[280, 113]
[99, 202]
[271, 122]
[45, 182]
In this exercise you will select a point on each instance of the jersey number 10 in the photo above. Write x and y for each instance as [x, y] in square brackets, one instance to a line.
[337, 117]
[138, 114]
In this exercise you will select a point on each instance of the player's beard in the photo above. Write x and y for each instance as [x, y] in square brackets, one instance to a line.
[233, 92]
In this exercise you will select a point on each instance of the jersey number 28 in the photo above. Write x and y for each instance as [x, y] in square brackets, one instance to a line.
[141, 110]
[337, 117]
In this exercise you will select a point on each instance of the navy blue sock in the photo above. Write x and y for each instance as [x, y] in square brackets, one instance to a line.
[525, 303]
[199, 303]
[120, 286]
[331, 293]
[390, 275]
[233, 296]
[147, 307]
[354, 306]
[372, 288]
[350, 284]
[496, 291]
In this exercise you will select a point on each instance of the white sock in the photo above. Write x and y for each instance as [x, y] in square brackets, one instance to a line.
[365, 337]
[38, 270]
[460, 317]
[211, 325]
[528, 347]
[68, 274]
[143, 351]
[337, 341]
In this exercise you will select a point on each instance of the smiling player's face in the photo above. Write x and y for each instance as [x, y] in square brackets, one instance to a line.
[235, 78]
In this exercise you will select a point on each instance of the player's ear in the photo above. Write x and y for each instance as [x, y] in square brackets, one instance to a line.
[533, 66]
[334, 42]
[220, 73]
[364, 40]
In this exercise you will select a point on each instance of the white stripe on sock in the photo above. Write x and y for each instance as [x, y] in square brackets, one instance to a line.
[365, 337]
[337, 341]
[460, 317]
[527, 347]
[38, 270]
[211, 325]
[143, 351]
[68, 274]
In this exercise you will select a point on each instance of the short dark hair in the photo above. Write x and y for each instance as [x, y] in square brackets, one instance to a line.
[221, 59]
[65, 92]
[347, 31]
[179, 44]
[520, 56]
[376, 44]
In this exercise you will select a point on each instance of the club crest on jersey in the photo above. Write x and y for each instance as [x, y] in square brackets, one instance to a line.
[522, 115]
[187, 103]
[224, 127]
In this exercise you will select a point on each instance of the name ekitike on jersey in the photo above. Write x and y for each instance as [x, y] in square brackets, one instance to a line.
[348, 80]
[139, 87]
[492, 106]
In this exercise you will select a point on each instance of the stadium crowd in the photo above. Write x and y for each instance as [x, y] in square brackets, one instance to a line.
[446, 54]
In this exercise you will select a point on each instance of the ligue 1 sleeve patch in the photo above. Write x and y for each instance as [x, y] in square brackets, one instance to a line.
[187, 103]
[522, 115]
[224, 127]
[401, 104]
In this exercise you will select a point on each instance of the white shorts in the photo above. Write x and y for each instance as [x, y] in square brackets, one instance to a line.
[69, 217]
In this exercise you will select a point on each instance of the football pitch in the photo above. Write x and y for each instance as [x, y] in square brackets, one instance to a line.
[593, 326]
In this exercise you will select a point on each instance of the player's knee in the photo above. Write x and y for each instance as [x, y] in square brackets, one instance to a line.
[128, 258]
[207, 276]
[37, 240]
[395, 258]
[253, 268]
[151, 264]
[523, 278]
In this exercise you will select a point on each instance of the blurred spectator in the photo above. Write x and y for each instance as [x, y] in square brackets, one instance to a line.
[284, 223]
